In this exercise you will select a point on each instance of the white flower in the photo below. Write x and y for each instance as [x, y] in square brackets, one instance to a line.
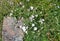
[27, 0]
[11, 14]
[36, 15]
[35, 28]
[20, 3]
[24, 28]
[26, 32]
[33, 25]
[31, 7]
[20, 26]
[23, 6]
[58, 33]
[58, 7]
[41, 20]
[41, 12]
[31, 18]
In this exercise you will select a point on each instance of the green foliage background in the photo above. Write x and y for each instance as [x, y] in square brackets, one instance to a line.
[50, 12]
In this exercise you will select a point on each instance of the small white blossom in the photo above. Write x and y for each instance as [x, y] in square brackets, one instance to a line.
[23, 24]
[26, 32]
[35, 28]
[36, 15]
[20, 3]
[58, 33]
[20, 26]
[11, 14]
[41, 20]
[31, 18]
[23, 6]
[24, 28]
[33, 25]
[31, 7]
[58, 6]
[41, 12]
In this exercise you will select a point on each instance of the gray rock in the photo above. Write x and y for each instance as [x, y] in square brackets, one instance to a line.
[11, 30]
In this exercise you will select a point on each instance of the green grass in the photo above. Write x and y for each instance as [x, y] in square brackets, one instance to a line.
[49, 10]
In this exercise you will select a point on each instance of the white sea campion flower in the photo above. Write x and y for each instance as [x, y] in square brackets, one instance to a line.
[20, 3]
[33, 24]
[26, 32]
[11, 14]
[41, 12]
[41, 21]
[23, 6]
[58, 33]
[31, 7]
[20, 26]
[31, 18]
[35, 28]
[36, 15]
[24, 28]
[58, 6]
